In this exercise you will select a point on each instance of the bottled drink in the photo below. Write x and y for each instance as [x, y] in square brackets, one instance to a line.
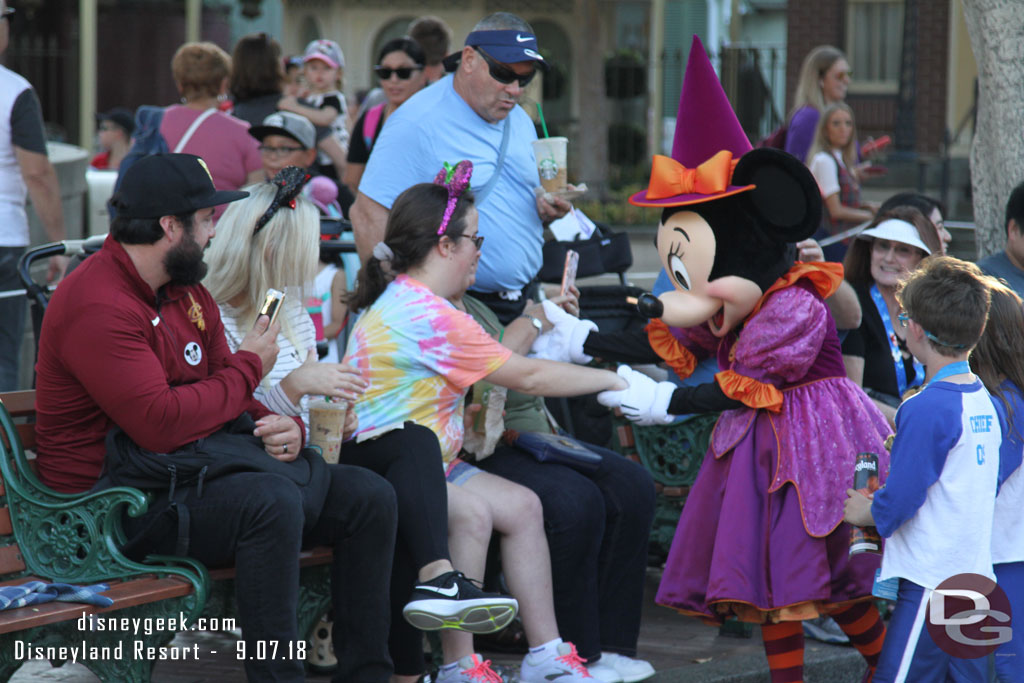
[865, 480]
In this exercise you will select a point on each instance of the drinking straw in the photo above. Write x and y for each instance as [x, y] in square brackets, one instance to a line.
[543, 125]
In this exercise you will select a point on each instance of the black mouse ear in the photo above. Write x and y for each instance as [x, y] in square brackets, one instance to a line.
[786, 201]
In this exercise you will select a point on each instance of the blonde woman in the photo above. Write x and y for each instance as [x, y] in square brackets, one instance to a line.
[824, 79]
[833, 162]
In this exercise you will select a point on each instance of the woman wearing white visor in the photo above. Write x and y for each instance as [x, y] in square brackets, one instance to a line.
[876, 354]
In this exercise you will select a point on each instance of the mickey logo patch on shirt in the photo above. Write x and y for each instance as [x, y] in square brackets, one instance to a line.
[193, 353]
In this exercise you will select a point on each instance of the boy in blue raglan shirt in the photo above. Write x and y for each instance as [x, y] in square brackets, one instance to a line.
[937, 506]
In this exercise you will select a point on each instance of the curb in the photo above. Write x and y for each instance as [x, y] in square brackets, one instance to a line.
[823, 663]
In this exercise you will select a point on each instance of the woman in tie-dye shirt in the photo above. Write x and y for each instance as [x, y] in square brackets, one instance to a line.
[420, 355]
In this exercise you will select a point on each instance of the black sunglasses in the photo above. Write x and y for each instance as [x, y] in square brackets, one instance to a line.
[478, 240]
[502, 73]
[403, 72]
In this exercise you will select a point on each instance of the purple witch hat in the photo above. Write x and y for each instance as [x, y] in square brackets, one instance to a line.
[708, 142]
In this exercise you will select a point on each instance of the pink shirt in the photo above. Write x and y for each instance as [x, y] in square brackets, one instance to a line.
[221, 140]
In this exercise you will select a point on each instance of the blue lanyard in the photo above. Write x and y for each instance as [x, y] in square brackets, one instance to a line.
[958, 368]
[894, 347]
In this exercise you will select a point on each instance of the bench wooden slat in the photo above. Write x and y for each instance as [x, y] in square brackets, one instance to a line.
[11, 560]
[20, 403]
[5, 522]
[307, 558]
[124, 594]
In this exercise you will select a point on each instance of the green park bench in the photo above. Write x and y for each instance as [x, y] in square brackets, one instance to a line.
[75, 539]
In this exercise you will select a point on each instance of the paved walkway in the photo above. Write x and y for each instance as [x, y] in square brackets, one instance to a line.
[680, 648]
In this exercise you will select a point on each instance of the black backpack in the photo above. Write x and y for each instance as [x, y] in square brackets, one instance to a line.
[231, 449]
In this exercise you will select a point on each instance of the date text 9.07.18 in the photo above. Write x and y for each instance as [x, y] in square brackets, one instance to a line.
[268, 650]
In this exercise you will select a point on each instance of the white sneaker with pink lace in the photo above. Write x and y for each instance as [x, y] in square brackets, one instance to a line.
[562, 666]
[470, 669]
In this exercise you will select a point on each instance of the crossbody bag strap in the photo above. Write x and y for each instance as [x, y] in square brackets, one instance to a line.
[481, 193]
[190, 131]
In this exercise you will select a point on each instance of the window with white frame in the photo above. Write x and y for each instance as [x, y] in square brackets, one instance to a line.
[874, 39]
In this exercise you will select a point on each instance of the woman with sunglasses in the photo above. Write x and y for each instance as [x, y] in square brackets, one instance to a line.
[400, 71]
[420, 355]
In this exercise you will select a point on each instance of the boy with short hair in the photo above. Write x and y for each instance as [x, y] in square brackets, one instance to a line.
[937, 506]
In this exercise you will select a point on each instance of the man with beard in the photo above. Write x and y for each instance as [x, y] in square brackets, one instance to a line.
[132, 340]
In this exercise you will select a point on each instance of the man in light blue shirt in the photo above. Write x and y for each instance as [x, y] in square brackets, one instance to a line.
[1009, 263]
[472, 114]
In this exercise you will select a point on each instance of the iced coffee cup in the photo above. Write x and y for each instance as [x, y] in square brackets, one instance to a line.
[326, 425]
[551, 165]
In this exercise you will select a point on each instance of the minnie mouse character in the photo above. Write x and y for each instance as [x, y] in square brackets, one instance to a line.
[761, 536]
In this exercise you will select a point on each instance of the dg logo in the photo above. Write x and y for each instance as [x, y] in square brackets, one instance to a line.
[969, 616]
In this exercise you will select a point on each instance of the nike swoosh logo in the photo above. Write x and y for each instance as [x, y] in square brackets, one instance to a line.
[552, 677]
[520, 39]
[450, 592]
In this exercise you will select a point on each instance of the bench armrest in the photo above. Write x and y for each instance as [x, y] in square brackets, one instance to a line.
[76, 538]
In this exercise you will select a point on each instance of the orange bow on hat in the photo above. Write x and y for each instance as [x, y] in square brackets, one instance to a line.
[669, 178]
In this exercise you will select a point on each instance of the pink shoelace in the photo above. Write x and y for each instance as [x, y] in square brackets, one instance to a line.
[573, 660]
[483, 672]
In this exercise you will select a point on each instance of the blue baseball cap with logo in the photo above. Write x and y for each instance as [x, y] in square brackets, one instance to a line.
[507, 46]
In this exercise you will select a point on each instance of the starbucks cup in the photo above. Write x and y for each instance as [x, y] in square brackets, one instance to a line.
[550, 153]
[326, 425]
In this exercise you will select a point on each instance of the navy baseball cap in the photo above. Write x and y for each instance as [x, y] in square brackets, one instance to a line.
[507, 46]
[168, 185]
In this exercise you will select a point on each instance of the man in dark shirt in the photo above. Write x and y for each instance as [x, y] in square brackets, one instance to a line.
[132, 340]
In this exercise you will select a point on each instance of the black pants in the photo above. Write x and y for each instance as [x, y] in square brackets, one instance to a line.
[598, 525]
[254, 520]
[410, 459]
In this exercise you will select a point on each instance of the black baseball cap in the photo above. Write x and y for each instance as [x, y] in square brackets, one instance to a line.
[168, 185]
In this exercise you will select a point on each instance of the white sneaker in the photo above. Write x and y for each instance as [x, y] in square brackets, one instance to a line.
[470, 669]
[564, 667]
[604, 673]
[631, 670]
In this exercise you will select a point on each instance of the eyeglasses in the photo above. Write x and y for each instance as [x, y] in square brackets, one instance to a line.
[278, 151]
[478, 240]
[503, 74]
[903, 318]
[404, 73]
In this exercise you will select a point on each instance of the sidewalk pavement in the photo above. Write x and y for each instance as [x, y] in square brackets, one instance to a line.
[680, 648]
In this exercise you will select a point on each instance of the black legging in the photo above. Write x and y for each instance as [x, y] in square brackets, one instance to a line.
[410, 459]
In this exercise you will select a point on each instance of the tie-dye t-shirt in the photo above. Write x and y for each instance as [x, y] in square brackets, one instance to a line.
[420, 355]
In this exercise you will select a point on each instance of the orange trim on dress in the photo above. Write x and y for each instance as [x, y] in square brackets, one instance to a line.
[824, 275]
[749, 391]
[670, 349]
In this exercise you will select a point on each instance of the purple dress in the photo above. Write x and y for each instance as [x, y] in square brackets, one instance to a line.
[761, 535]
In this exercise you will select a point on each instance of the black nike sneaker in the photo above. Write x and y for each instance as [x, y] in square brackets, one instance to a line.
[453, 601]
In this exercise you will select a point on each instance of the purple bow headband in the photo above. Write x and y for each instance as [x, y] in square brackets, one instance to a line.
[456, 181]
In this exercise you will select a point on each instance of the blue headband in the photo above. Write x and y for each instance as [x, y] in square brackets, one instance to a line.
[507, 46]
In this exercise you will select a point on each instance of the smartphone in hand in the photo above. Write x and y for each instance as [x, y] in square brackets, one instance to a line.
[572, 262]
[271, 305]
[872, 146]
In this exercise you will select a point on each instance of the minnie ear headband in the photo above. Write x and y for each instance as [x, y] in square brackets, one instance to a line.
[456, 181]
[289, 181]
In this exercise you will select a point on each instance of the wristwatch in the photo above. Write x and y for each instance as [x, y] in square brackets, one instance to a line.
[537, 324]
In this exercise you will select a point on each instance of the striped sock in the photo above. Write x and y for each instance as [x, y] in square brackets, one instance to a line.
[784, 645]
[863, 624]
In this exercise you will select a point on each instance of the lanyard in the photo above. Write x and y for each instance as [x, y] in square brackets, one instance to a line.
[958, 368]
[894, 348]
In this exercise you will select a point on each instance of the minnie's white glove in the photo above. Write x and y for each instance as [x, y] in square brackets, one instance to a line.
[565, 342]
[644, 402]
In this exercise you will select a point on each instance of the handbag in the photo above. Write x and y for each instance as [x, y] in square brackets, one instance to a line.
[558, 449]
[604, 252]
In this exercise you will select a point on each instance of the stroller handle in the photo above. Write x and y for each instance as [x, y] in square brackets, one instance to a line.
[36, 292]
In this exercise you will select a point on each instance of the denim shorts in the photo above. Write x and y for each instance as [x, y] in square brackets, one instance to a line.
[459, 472]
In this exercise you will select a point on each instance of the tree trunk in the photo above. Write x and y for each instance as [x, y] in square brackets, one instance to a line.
[997, 152]
[594, 110]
